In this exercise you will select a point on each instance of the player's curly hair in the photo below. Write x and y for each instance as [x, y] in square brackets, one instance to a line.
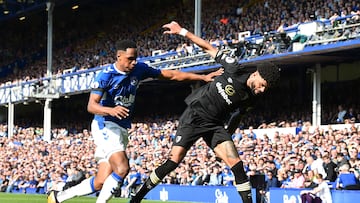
[124, 44]
[270, 72]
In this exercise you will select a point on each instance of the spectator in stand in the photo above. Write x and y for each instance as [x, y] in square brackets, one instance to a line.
[40, 187]
[356, 16]
[330, 168]
[270, 182]
[14, 180]
[297, 180]
[339, 117]
[228, 177]
[251, 134]
[315, 165]
[333, 19]
[320, 194]
[215, 176]
[341, 160]
[310, 180]
[198, 176]
[347, 180]
[354, 160]
[350, 115]
[134, 159]
[238, 135]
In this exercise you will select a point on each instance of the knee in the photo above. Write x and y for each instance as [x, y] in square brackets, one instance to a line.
[98, 182]
[98, 185]
[120, 170]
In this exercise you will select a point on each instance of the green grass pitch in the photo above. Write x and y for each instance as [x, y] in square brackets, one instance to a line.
[23, 198]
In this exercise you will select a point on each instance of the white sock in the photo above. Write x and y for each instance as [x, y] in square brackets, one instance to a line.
[84, 188]
[112, 182]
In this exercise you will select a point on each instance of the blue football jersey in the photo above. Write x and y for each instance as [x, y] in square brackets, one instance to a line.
[119, 88]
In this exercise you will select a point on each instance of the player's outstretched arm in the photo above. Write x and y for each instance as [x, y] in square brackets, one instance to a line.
[181, 76]
[175, 28]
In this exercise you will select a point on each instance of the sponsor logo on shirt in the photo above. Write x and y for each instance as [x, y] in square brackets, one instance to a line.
[229, 90]
[124, 101]
[225, 93]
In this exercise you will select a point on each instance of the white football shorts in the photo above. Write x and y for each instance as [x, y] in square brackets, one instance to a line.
[112, 138]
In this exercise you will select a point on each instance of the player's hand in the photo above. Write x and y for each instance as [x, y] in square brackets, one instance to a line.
[210, 77]
[120, 112]
[173, 28]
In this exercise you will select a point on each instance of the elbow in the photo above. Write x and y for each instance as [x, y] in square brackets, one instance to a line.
[89, 108]
[178, 76]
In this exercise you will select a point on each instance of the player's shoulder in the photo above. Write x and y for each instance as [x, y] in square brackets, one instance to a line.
[142, 65]
[148, 70]
[225, 58]
[108, 69]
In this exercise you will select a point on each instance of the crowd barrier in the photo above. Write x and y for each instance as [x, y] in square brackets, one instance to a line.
[203, 194]
[228, 194]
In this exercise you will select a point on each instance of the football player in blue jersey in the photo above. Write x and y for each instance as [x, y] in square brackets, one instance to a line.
[112, 102]
[208, 109]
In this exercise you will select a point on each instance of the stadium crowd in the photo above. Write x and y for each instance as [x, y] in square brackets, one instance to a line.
[292, 159]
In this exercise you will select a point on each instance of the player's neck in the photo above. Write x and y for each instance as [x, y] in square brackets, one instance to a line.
[119, 69]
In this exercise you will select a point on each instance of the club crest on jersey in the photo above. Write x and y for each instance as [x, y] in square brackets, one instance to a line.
[134, 81]
[178, 138]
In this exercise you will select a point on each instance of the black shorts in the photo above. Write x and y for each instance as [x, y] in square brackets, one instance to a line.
[192, 127]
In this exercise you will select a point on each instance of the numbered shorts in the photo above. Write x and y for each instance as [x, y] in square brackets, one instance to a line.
[108, 140]
[192, 127]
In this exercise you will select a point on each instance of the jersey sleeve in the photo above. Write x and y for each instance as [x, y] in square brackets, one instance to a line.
[230, 64]
[100, 82]
[149, 72]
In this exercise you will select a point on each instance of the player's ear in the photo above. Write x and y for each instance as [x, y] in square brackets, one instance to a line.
[118, 54]
[254, 74]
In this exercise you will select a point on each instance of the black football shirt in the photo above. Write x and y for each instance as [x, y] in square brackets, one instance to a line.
[228, 92]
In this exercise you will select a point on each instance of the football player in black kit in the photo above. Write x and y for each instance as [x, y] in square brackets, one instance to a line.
[208, 108]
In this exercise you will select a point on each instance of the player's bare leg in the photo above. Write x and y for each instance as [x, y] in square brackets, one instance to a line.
[86, 187]
[227, 152]
[120, 168]
[176, 155]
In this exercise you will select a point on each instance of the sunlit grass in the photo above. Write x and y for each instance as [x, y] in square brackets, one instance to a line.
[27, 198]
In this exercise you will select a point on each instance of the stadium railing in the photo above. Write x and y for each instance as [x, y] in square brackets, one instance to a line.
[79, 82]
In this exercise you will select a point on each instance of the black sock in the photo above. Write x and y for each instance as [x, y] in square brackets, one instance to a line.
[239, 173]
[155, 178]
[165, 168]
[246, 196]
[242, 182]
[144, 189]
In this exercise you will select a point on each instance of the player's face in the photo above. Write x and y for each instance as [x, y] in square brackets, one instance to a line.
[258, 84]
[126, 60]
